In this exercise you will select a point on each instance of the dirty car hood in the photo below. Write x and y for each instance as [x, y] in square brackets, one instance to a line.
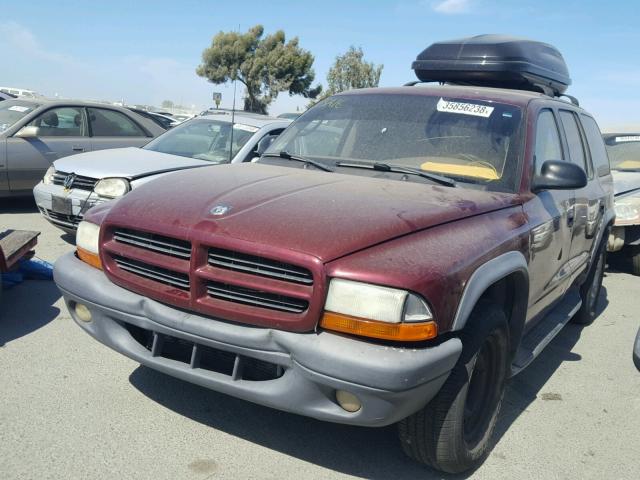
[127, 162]
[323, 214]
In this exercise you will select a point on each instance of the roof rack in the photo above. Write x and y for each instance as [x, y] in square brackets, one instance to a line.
[495, 61]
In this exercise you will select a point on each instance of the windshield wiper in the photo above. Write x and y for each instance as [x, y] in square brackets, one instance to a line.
[384, 167]
[287, 156]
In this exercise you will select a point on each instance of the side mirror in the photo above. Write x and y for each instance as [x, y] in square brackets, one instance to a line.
[30, 131]
[559, 175]
[264, 143]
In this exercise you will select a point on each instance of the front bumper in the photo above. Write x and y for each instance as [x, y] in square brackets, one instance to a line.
[298, 372]
[81, 201]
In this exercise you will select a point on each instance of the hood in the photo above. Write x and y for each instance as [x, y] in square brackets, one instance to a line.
[127, 162]
[323, 214]
[625, 182]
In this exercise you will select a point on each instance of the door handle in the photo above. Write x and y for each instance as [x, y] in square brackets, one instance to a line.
[77, 148]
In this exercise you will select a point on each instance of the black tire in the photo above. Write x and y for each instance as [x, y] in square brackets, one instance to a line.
[452, 433]
[635, 260]
[590, 289]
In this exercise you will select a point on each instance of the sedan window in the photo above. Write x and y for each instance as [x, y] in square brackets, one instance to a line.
[109, 123]
[60, 122]
[209, 140]
[12, 111]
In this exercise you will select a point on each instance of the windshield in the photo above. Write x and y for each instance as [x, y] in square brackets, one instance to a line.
[474, 142]
[208, 140]
[623, 151]
[13, 110]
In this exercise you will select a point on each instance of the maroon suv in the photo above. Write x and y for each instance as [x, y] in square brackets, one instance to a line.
[395, 257]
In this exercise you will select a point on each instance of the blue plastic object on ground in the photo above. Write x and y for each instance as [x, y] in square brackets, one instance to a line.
[34, 269]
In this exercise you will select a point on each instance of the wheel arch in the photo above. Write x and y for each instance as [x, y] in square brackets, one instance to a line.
[505, 281]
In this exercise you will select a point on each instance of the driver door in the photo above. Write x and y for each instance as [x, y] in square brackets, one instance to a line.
[61, 131]
[552, 216]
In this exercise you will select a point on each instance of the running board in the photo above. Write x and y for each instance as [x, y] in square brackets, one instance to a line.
[534, 342]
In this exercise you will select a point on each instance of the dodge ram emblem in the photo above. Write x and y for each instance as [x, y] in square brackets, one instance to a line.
[68, 181]
[219, 210]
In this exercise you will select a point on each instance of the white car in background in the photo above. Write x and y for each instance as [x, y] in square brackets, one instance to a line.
[75, 184]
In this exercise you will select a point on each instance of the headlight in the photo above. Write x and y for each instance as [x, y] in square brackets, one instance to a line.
[87, 238]
[111, 187]
[376, 311]
[48, 177]
[627, 210]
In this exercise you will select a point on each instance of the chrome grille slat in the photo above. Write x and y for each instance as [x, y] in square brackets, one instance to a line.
[156, 243]
[158, 274]
[256, 298]
[246, 263]
[80, 182]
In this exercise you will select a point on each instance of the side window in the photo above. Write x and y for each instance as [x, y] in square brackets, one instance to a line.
[574, 139]
[109, 123]
[60, 122]
[598, 151]
[548, 145]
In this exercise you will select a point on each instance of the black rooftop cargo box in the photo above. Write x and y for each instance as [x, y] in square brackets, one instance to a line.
[495, 61]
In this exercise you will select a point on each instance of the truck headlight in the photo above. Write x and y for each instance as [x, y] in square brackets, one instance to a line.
[628, 210]
[48, 176]
[87, 247]
[112, 187]
[376, 311]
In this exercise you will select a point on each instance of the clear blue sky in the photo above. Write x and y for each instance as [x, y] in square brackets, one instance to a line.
[146, 51]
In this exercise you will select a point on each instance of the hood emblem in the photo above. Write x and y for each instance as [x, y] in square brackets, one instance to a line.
[67, 183]
[219, 210]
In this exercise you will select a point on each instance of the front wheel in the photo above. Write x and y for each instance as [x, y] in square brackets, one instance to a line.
[452, 433]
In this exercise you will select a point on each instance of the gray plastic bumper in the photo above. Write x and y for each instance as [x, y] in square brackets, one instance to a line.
[390, 382]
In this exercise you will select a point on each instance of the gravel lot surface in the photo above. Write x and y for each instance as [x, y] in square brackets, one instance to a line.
[71, 408]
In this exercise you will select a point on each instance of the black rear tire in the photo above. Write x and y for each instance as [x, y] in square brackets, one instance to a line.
[453, 432]
[635, 260]
[590, 289]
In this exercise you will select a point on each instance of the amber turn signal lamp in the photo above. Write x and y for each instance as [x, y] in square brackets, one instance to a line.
[90, 258]
[402, 332]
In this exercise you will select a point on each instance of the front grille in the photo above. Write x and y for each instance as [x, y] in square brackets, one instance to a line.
[67, 220]
[79, 182]
[198, 356]
[242, 262]
[256, 298]
[151, 272]
[208, 279]
[156, 243]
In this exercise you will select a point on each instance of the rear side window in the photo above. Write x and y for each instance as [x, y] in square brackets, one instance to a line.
[598, 151]
[574, 139]
[548, 145]
[109, 123]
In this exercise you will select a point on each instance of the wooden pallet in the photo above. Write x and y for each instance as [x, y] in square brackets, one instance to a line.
[14, 245]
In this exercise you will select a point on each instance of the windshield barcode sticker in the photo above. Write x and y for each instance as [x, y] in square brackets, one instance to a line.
[464, 108]
[18, 108]
[630, 138]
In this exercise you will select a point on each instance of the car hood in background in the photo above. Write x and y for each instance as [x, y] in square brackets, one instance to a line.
[625, 182]
[323, 214]
[128, 162]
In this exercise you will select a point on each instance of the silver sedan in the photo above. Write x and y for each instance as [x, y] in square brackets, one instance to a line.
[36, 132]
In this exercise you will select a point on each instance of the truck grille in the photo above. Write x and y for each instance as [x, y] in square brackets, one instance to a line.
[151, 272]
[242, 262]
[256, 298]
[211, 280]
[156, 243]
[79, 182]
